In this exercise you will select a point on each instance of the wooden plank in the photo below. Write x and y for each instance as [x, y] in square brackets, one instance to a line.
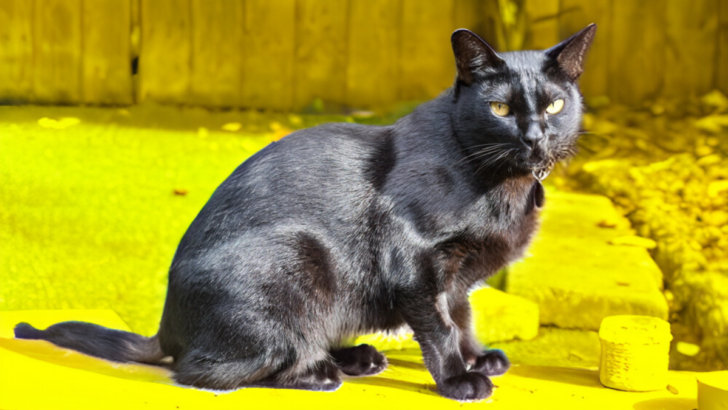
[691, 47]
[542, 23]
[217, 53]
[426, 62]
[577, 14]
[57, 50]
[321, 42]
[106, 68]
[372, 78]
[268, 35]
[16, 51]
[164, 60]
[636, 70]
[468, 14]
[490, 26]
[721, 71]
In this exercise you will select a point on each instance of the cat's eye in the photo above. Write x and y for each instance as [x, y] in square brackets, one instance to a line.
[555, 107]
[500, 109]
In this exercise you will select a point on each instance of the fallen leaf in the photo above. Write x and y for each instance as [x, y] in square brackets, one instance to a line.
[59, 124]
[688, 349]
[279, 131]
[632, 240]
[716, 187]
[605, 223]
[180, 192]
[672, 389]
[295, 119]
[232, 126]
[712, 123]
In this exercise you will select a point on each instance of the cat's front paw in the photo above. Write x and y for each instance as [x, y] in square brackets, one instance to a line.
[492, 363]
[466, 387]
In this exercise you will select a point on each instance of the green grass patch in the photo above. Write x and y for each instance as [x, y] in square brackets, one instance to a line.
[88, 214]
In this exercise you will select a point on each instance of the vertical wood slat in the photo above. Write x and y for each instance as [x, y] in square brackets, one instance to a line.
[321, 51]
[637, 58]
[217, 50]
[164, 61]
[721, 69]
[16, 51]
[374, 47]
[542, 22]
[268, 35]
[485, 20]
[577, 14]
[106, 64]
[57, 51]
[690, 47]
[426, 63]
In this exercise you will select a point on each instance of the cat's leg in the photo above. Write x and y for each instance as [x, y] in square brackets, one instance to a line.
[270, 371]
[439, 338]
[362, 360]
[461, 315]
[210, 371]
[322, 375]
[489, 362]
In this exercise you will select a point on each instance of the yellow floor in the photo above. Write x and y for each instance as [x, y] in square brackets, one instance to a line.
[38, 375]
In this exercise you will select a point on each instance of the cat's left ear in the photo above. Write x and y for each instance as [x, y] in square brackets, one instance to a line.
[570, 54]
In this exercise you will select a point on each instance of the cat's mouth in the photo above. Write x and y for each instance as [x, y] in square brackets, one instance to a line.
[541, 171]
[540, 167]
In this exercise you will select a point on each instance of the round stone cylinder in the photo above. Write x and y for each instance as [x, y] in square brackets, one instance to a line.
[635, 353]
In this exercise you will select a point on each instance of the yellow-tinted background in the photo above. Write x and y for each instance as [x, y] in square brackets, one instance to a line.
[282, 54]
[93, 200]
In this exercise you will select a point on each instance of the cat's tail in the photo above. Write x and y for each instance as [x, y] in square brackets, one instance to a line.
[98, 341]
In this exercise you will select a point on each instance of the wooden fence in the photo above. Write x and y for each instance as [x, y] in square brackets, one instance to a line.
[282, 54]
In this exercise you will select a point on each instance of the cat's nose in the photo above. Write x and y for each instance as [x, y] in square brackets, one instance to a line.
[533, 135]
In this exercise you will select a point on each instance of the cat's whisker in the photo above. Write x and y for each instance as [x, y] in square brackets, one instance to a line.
[491, 149]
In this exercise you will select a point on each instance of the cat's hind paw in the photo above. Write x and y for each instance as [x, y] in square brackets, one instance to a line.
[362, 360]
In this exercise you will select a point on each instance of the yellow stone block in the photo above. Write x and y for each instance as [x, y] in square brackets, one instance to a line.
[498, 316]
[555, 347]
[576, 276]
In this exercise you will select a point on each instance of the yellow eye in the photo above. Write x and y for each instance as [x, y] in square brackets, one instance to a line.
[555, 107]
[500, 109]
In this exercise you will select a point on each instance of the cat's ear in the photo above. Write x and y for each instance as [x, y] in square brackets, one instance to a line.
[570, 54]
[473, 56]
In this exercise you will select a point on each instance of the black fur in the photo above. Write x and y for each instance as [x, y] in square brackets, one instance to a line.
[344, 229]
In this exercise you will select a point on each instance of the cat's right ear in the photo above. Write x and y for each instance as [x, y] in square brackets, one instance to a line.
[473, 56]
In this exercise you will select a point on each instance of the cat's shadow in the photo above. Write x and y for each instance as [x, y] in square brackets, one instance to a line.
[50, 353]
[406, 375]
[379, 381]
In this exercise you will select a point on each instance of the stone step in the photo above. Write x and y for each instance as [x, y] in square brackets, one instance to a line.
[583, 266]
[499, 316]
[38, 375]
[555, 347]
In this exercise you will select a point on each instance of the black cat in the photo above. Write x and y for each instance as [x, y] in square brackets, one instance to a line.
[345, 229]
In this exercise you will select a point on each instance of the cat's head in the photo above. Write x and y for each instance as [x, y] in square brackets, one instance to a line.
[519, 110]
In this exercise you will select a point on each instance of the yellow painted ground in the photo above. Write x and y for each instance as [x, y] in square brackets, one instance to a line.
[37, 375]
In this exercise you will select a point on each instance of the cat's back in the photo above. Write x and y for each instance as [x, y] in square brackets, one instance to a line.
[326, 159]
[318, 176]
